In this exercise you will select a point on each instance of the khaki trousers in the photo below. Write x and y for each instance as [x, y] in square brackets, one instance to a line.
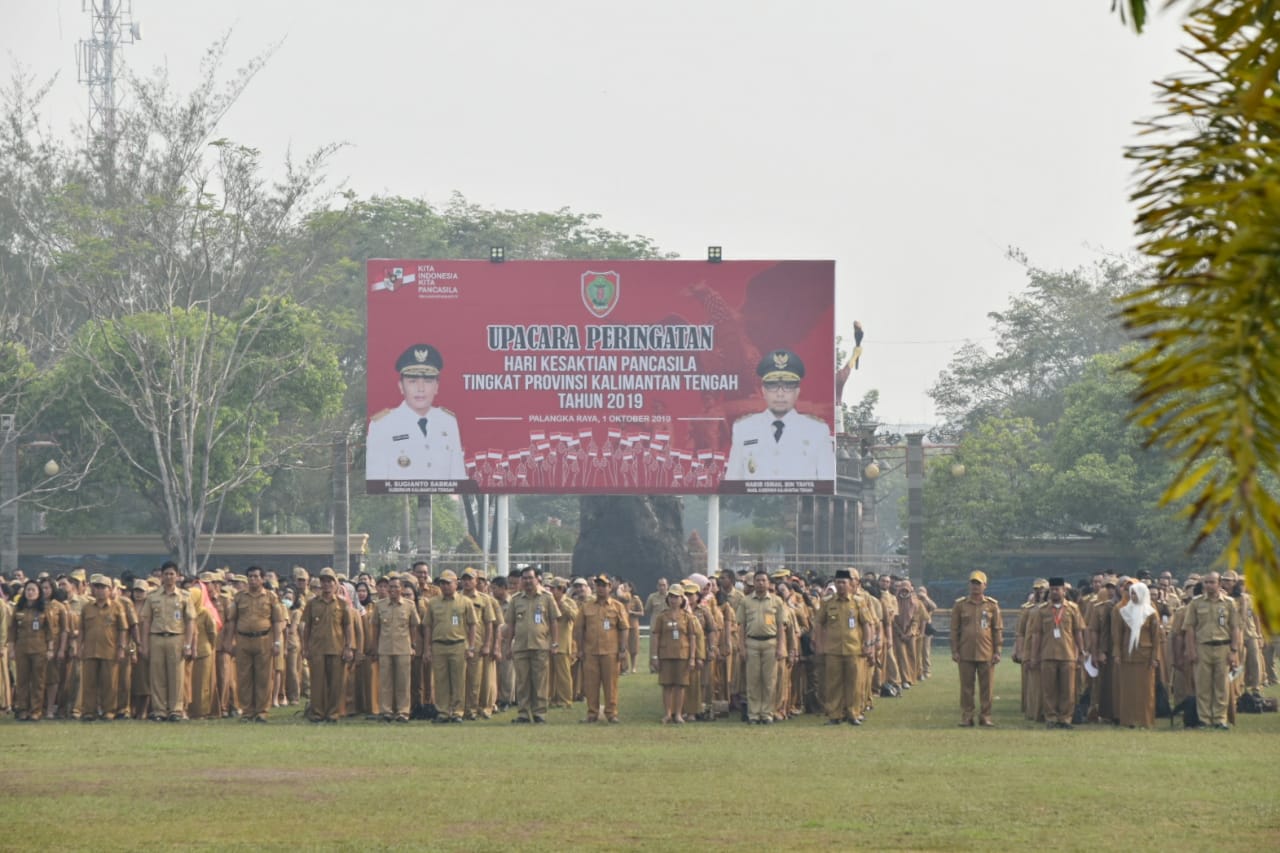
[905, 647]
[124, 678]
[328, 686]
[202, 679]
[29, 676]
[98, 688]
[254, 663]
[840, 680]
[293, 675]
[488, 684]
[475, 679]
[394, 680]
[600, 674]
[448, 672]
[531, 682]
[506, 681]
[561, 689]
[761, 677]
[166, 674]
[970, 669]
[1213, 680]
[1058, 687]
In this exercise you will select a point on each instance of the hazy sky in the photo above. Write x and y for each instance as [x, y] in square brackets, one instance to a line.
[911, 142]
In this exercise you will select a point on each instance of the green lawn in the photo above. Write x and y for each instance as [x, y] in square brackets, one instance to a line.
[908, 779]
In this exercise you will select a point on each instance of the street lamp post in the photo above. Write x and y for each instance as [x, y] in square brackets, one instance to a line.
[8, 494]
[9, 441]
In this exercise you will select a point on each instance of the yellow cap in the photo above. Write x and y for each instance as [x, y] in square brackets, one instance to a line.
[979, 576]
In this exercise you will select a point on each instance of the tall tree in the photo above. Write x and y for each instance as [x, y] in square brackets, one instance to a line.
[188, 353]
[1209, 373]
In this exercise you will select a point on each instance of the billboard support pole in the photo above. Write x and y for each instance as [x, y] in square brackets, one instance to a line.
[484, 528]
[341, 506]
[504, 535]
[713, 535]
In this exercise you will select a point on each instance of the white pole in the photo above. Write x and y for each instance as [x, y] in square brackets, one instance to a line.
[713, 535]
[484, 529]
[504, 536]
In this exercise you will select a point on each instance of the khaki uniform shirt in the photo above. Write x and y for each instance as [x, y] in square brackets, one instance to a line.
[327, 623]
[655, 604]
[1054, 630]
[566, 622]
[167, 613]
[397, 623]
[32, 632]
[252, 613]
[674, 634]
[976, 628]
[761, 617]
[206, 633]
[843, 623]
[530, 619]
[100, 627]
[602, 628]
[1213, 621]
[448, 618]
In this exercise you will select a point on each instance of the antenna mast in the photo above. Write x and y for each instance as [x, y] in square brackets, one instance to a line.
[112, 27]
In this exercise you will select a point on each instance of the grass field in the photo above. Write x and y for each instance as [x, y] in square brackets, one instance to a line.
[908, 779]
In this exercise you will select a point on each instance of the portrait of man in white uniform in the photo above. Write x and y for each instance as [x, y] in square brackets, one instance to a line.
[781, 443]
[416, 440]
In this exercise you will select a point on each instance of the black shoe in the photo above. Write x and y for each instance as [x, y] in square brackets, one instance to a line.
[833, 722]
[520, 720]
[853, 721]
[176, 718]
[767, 721]
[1222, 727]
[538, 719]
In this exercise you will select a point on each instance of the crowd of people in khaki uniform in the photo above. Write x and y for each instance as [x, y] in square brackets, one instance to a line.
[773, 645]
[451, 648]
[1108, 653]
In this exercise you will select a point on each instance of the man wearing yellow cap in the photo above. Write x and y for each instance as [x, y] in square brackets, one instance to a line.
[976, 631]
[104, 635]
[780, 443]
[417, 440]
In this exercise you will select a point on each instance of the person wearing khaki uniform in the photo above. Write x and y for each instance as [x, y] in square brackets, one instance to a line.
[1057, 632]
[255, 626]
[561, 687]
[531, 634]
[203, 663]
[1212, 627]
[450, 637]
[762, 617]
[600, 642]
[1099, 642]
[1032, 693]
[1136, 650]
[33, 638]
[486, 626]
[6, 616]
[673, 652]
[167, 624]
[844, 635]
[976, 633]
[395, 625]
[328, 641]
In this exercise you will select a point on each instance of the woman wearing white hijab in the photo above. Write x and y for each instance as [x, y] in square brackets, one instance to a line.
[1136, 649]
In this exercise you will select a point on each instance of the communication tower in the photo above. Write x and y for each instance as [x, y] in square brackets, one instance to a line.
[112, 28]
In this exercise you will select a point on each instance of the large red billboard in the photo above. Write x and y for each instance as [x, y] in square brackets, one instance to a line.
[601, 377]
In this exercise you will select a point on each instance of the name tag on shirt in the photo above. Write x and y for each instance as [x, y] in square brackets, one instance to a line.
[455, 618]
[177, 615]
[853, 621]
[1057, 633]
[985, 622]
[537, 617]
[606, 624]
[35, 624]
